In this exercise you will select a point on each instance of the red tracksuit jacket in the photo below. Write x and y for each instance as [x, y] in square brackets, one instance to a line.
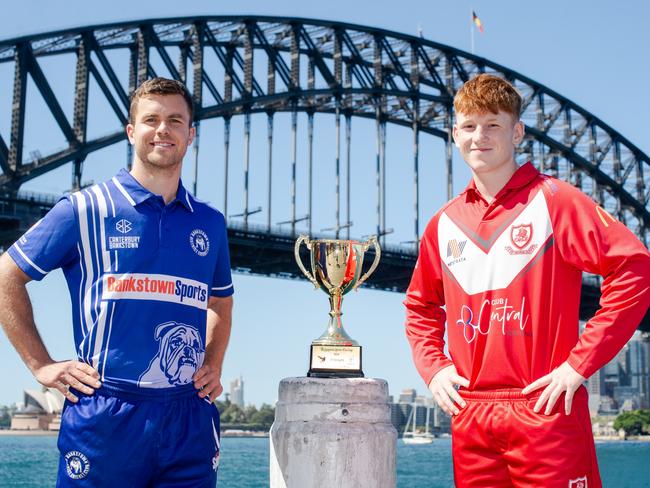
[506, 280]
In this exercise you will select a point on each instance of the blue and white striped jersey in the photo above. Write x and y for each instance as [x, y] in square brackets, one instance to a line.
[140, 274]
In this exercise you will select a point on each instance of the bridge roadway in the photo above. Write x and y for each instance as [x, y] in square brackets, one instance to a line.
[255, 250]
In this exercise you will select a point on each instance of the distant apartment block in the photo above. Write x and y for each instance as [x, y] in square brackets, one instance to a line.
[439, 421]
[237, 392]
[623, 384]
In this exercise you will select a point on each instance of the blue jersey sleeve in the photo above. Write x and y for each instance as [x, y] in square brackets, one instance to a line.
[222, 279]
[48, 244]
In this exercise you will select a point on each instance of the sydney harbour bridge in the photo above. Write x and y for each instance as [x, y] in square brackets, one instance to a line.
[281, 99]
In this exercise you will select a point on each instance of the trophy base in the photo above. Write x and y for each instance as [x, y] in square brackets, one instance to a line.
[334, 361]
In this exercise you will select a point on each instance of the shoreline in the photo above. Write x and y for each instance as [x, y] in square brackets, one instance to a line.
[265, 434]
[53, 433]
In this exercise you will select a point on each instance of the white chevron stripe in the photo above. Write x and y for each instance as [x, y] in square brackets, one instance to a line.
[477, 271]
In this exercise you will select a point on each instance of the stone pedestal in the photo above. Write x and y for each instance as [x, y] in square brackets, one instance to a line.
[333, 432]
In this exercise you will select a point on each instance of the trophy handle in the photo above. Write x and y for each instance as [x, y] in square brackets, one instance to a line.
[296, 251]
[372, 240]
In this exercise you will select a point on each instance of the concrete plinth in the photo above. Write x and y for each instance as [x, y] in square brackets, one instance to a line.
[333, 432]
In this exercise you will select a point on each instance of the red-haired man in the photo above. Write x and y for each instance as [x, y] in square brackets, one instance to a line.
[505, 260]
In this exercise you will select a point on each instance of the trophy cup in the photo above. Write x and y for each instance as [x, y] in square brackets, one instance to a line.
[336, 267]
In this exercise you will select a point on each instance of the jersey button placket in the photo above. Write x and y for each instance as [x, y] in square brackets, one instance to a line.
[163, 228]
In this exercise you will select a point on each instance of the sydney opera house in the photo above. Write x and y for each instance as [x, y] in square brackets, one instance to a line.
[41, 411]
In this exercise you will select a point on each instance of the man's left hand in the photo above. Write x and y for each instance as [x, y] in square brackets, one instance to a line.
[562, 379]
[208, 381]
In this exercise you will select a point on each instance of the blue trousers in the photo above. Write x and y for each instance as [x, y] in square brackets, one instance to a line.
[119, 439]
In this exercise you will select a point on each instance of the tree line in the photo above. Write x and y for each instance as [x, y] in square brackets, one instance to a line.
[636, 422]
[247, 418]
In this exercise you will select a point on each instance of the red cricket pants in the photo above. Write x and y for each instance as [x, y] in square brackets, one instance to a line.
[498, 442]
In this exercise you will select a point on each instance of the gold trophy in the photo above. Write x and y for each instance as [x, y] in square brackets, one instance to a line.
[336, 267]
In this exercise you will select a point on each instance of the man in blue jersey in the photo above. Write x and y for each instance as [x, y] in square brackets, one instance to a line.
[148, 271]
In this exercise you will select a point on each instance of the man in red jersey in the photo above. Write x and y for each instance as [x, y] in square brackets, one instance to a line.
[505, 260]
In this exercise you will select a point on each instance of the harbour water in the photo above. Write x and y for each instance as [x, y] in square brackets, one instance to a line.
[31, 462]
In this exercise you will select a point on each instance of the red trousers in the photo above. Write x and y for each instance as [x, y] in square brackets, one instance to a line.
[498, 442]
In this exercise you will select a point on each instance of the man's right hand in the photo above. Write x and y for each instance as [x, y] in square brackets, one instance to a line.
[64, 374]
[442, 387]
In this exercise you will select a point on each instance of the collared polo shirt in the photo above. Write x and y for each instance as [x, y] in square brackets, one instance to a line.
[140, 274]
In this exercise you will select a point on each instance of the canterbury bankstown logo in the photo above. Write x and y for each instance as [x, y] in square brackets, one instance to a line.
[455, 248]
[124, 226]
[199, 242]
[77, 465]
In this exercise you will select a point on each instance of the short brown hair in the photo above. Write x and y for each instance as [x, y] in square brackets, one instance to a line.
[160, 86]
[488, 93]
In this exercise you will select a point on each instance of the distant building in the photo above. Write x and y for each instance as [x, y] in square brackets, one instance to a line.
[407, 396]
[596, 389]
[639, 363]
[439, 421]
[237, 392]
[41, 411]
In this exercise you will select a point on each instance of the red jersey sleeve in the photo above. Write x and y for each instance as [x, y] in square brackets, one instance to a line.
[592, 240]
[425, 315]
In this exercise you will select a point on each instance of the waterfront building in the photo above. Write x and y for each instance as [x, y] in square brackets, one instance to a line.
[439, 421]
[41, 411]
[407, 396]
[639, 367]
[237, 392]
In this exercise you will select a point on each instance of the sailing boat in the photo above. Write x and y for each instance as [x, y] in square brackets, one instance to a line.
[411, 435]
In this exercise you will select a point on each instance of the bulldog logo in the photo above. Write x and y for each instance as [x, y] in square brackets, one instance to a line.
[199, 242]
[180, 354]
[76, 465]
[520, 235]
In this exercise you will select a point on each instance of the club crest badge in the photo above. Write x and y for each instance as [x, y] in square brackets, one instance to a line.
[76, 465]
[199, 242]
[520, 235]
[578, 482]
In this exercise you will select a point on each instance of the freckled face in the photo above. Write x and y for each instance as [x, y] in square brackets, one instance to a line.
[161, 131]
[487, 141]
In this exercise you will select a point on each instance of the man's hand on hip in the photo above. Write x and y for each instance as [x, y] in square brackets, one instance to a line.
[442, 387]
[64, 374]
[562, 379]
[208, 381]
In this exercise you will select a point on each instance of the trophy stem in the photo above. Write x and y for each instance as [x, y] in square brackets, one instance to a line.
[336, 301]
[335, 333]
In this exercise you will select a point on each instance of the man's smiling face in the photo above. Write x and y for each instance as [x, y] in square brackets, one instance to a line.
[161, 130]
[487, 141]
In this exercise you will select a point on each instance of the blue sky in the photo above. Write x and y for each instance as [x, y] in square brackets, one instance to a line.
[591, 52]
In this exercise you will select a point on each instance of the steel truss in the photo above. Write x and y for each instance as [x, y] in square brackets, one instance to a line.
[238, 66]
[312, 66]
